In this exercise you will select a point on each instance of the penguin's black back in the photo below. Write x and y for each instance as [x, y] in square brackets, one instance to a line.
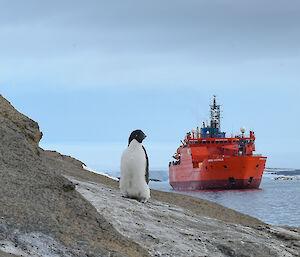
[147, 166]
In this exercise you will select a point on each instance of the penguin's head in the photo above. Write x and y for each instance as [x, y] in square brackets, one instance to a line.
[138, 135]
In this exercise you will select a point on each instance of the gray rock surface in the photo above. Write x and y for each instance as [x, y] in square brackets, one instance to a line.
[28, 127]
[37, 199]
[169, 230]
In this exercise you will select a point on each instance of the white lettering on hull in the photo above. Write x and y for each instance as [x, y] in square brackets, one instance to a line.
[215, 160]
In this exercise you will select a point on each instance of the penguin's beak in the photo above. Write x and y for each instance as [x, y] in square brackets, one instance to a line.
[144, 136]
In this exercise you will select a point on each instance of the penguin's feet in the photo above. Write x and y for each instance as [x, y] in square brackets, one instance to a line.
[143, 200]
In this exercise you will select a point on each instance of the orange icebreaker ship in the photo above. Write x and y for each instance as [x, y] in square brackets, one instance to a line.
[207, 159]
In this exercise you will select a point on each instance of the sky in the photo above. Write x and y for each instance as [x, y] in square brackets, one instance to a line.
[90, 72]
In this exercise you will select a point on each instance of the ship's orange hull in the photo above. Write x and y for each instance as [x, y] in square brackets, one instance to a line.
[235, 172]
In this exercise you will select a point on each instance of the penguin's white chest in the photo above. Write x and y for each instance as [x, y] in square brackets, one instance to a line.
[134, 160]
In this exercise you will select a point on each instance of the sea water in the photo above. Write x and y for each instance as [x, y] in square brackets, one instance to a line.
[276, 202]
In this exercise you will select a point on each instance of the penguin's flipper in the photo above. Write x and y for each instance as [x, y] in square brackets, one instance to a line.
[147, 166]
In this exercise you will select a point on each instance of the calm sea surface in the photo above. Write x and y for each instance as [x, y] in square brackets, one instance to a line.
[277, 202]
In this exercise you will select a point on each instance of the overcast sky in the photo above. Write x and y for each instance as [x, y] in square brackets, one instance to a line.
[91, 71]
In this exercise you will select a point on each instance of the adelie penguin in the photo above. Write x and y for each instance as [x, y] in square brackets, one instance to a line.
[135, 169]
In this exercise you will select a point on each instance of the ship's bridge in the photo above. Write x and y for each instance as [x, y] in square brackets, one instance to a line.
[210, 132]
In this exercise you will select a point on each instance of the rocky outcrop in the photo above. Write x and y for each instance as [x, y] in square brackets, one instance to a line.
[26, 126]
[39, 207]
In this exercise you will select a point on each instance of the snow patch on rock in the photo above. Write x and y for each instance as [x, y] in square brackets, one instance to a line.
[99, 172]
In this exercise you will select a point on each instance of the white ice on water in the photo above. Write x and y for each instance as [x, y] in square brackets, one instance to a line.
[99, 172]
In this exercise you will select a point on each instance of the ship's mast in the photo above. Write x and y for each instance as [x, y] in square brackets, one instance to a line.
[215, 114]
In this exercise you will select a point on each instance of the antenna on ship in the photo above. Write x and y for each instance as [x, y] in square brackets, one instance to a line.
[215, 114]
